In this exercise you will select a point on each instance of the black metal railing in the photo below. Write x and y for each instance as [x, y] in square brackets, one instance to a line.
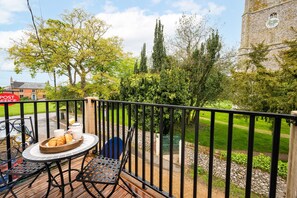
[46, 115]
[114, 117]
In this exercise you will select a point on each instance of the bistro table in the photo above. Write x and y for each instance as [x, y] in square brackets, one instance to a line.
[33, 154]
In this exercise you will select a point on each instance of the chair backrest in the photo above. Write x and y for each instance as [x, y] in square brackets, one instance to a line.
[16, 134]
[112, 148]
[126, 152]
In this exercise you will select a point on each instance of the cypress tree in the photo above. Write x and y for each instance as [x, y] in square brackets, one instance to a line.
[143, 60]
[159, 52]
[136, 71]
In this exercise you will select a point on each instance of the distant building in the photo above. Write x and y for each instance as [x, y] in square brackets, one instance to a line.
[268, 21]
[31, 90]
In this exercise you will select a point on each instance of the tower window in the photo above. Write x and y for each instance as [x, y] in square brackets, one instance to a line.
[273, 15]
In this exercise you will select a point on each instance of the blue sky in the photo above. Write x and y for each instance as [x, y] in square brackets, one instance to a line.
[132, 20]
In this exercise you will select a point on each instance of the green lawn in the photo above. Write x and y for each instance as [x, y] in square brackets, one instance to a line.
[262, 142]
[28, 108]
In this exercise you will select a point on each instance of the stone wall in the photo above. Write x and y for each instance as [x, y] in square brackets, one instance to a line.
[254, 29]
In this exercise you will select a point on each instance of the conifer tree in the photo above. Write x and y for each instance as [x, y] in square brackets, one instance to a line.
[159, 52]
[136, 71]
[143, 60]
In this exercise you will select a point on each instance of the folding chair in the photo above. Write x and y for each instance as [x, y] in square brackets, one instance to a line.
[106, 171]
[15, 136]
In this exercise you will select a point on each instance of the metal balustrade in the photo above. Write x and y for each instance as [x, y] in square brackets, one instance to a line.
[112, 118]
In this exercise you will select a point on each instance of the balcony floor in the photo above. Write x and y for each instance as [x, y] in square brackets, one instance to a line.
[39, 187]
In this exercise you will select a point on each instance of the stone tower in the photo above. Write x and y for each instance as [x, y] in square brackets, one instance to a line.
[268, 21]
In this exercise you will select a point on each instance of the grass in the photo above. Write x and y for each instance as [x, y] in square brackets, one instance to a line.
[28, 109]
[262, 142]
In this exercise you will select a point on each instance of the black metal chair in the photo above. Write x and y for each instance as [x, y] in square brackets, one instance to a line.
[16, 135]
[106, 171]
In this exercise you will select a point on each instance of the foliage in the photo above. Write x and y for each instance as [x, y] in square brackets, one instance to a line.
[25, 99]
[288, 76]
[189, 34]
[63, 92]
[168, 87]
[159, 51]
[136, 70]
[1, 89]
[204, 75]
[257, 88]
[260, 161]
[143, 60]
[75, 46]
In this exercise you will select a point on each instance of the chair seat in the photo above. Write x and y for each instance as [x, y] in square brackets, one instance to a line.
[26, 168]
[100, 170]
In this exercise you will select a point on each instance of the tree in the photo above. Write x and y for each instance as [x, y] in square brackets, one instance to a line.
[136, 70]
[143, 60]
[255, 87]
[204, 74]
[159, 51]
[288, 76]
[190, 33]
[75, 46]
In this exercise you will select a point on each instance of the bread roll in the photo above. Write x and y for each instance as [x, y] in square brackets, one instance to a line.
[52, 142]
[68, 138]
[61, 140]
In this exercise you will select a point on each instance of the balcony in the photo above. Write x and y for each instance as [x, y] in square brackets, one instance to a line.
[159, 165]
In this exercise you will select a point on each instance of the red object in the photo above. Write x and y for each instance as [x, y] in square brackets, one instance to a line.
[8, 97]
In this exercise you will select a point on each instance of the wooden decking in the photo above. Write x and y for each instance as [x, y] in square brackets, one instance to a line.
[39, 187]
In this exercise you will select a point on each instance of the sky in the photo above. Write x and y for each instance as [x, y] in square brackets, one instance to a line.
[132, 20]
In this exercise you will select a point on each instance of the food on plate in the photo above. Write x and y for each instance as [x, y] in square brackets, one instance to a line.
[52, 142]
[61, 140]
[68, 138]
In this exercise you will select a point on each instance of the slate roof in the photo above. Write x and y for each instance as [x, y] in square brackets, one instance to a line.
[27, 85]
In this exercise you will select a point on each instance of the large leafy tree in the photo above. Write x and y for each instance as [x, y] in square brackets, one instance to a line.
[75, 46]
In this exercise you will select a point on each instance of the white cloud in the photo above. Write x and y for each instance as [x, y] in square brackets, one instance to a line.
[8, 7]
[13, 5]
[7, 37]
[136, 27]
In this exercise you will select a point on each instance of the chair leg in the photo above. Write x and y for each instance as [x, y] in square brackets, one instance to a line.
[30, 185]
[112, 191]
[98, 191]
[8, 186]
[87, 189]
[131, 191]
[10, 190]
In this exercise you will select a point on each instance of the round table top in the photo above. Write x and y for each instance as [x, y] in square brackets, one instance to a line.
[32, 153]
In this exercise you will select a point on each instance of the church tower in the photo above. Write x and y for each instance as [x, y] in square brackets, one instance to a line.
[268, 21]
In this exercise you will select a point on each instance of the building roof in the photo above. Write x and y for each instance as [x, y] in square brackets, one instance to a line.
[27, 85]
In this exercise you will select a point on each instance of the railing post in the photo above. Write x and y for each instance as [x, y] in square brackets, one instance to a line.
[292, 162]
[89, 112]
